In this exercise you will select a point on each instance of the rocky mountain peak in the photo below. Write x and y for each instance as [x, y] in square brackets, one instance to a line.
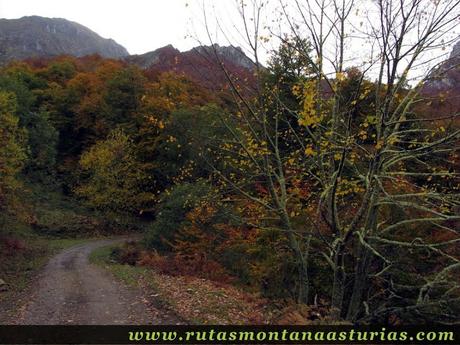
[447, 76]
[229, 53]
[455, 50]
[36, 36]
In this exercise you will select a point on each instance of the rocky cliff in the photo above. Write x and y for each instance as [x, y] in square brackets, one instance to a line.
[44, 37]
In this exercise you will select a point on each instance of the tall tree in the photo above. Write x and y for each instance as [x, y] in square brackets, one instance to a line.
[373, 179]
[12, 149]
[112, 177]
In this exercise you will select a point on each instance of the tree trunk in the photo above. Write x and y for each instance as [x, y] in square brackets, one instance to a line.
[338, 286]
[359, 284]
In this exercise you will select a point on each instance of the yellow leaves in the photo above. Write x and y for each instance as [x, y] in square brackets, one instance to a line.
[264, 39]
[371, 119]
[13, 151]
[293, 214]
[309, 151]
[353, 157]
[155, 121]
[308, 120]
[340, 76]
[347, 187]
[170, 139]
[254, 147]
[115, 176]
[297, 90]
[362, 134]
[392, 140]
[379, 144]
[307, 92]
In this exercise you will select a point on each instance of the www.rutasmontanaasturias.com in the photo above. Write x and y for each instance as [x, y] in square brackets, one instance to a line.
[285, 335]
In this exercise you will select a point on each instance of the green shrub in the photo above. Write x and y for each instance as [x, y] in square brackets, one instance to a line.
[128, 253]
[171, 213]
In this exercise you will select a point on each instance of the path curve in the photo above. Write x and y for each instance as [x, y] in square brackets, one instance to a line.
[70, 290]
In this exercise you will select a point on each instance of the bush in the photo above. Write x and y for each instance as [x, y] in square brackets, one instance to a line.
[64, 223]
[171, 213]
[180, 265]
[128, 253]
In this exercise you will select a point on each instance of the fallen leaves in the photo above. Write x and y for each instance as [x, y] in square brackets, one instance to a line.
[201, 301]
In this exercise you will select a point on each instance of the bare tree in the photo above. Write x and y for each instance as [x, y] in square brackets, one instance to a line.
[382, 178]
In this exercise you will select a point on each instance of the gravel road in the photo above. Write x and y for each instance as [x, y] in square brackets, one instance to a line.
[70, 290]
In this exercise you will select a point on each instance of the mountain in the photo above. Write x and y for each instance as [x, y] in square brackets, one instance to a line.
[442, 88]
[229, 54]
[45, 37]
[201, 64]
[36, 37]
[447, 76]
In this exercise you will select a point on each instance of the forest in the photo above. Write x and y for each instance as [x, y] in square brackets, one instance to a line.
[318, 181]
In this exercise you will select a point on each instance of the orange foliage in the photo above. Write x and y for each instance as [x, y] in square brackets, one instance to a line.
[186, 265]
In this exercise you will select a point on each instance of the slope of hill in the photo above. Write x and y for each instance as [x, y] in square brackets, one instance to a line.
[442, 88]
[201, 64]
[44, 37]
[447, 76]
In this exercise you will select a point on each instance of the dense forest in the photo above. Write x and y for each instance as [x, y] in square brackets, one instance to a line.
[338, 190]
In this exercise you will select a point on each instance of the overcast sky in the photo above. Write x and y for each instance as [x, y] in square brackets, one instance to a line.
[138, 25]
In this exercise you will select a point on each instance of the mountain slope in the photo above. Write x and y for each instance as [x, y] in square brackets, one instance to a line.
[447, 76]
[442, 88]
[44, 37]
[201, 64]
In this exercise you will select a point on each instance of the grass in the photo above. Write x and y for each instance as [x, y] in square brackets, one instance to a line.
[129, 275]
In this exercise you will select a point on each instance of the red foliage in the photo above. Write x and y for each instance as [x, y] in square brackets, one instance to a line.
[200, 67]
[11, 245]
[196, 265]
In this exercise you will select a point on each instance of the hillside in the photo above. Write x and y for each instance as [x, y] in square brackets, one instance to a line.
[442, 88]
[201, 64]
[447, 76]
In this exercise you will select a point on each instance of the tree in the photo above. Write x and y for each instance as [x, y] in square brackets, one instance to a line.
[373, 185]
[21, 80]
[113, 180]
[124, 95]
[13, 151]
[188, 142]
[42, 140]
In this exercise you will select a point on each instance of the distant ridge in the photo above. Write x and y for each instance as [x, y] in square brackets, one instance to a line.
[201, 64]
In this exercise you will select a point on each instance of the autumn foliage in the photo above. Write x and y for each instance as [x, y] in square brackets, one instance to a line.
[300, 195]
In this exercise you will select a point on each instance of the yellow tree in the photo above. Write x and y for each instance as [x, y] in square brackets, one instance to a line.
[113, 179]
[12, 149]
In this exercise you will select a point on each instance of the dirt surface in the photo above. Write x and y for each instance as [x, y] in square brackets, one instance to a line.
[70, 290]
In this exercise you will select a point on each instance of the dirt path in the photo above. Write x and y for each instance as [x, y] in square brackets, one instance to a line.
[70, 290]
